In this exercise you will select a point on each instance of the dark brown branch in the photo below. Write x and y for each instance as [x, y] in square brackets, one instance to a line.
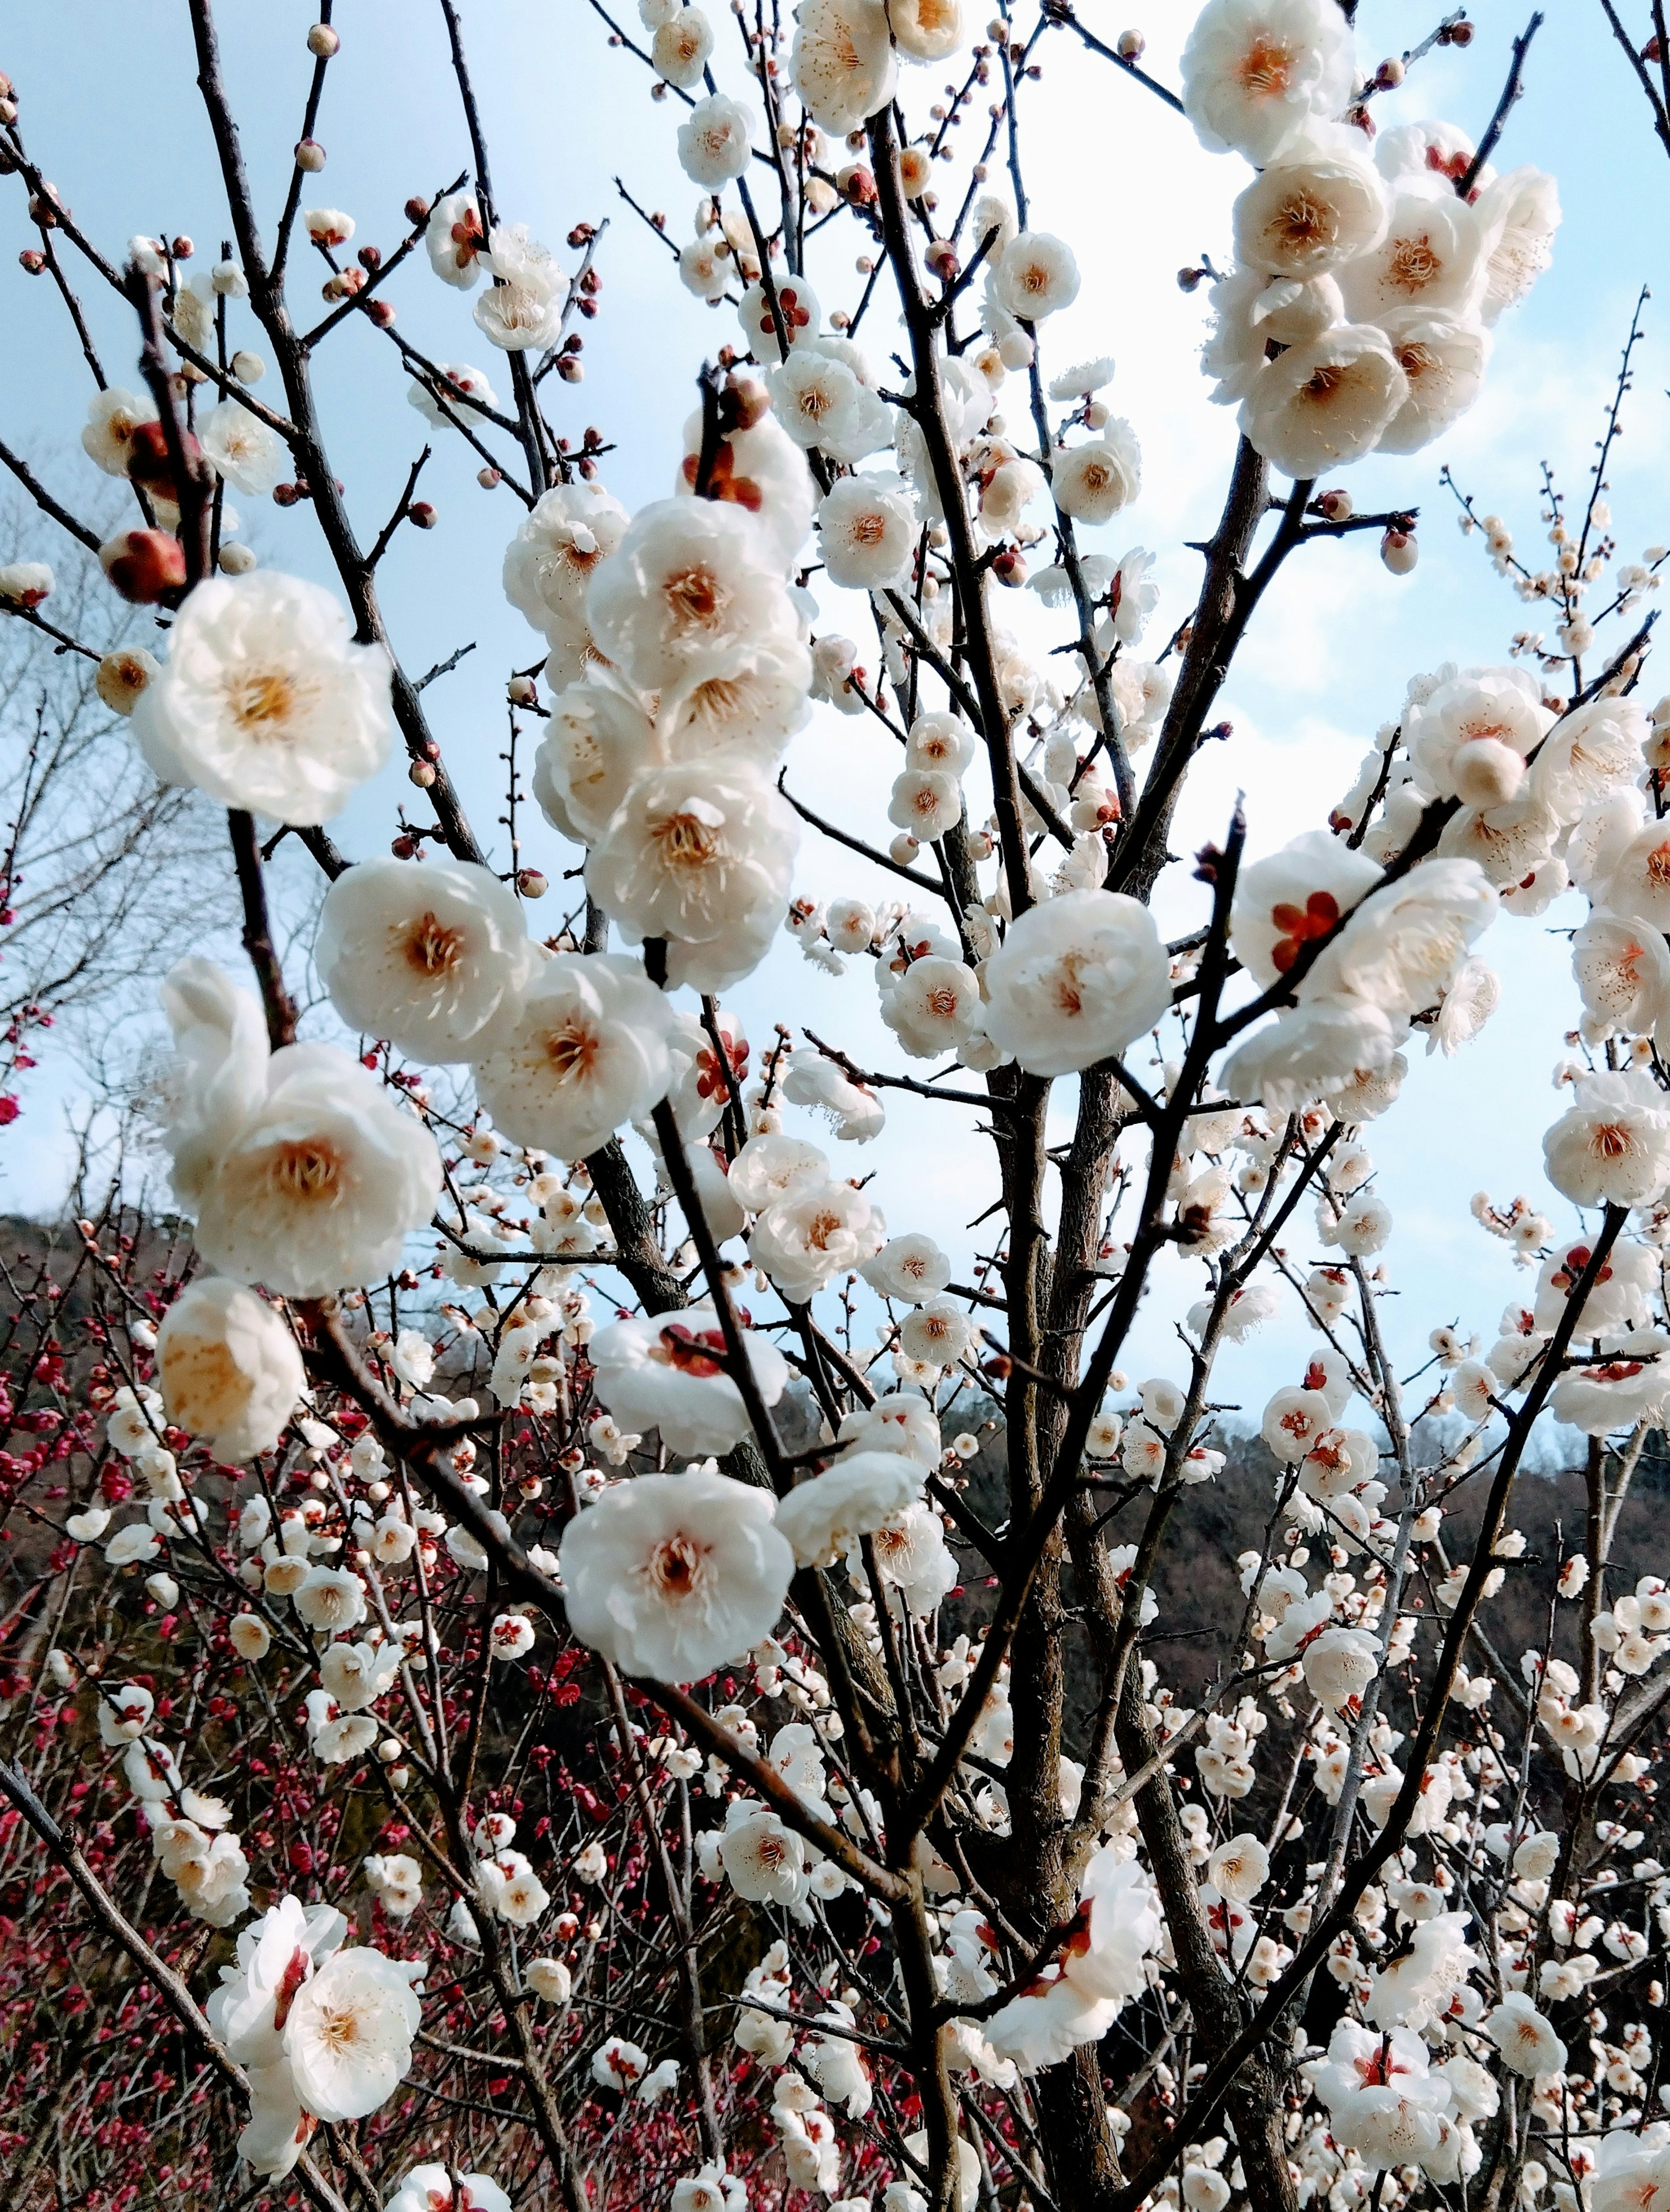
[276, 1001]
[1510, 93]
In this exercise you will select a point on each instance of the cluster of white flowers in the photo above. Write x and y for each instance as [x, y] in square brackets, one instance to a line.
[1357, 317]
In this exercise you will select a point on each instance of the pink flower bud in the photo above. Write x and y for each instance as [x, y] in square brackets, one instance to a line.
[144, 564]
[310, 156]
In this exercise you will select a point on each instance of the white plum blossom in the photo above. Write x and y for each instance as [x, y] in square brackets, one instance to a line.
[668, 1372]
[1076, 979]
[581, 1051]
[264, 700]
[231, 1371]
[671, 1576]
[428, 957]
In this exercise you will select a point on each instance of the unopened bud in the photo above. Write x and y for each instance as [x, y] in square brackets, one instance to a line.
[404, 849]
[182, 249]
[370, 257]
[422, 773]
[422, 515]
[941, 257]
[286, 495]
[521, 691]
[148, 458]
[904, 847]
[531, 884]
[323, 41]
[1390, 74]
[248, 367]
[310, 156]
[416, 209]
[855, 183]
[237, 559]
[1131, 46]
[1336, 506]
[144, 564]
[1190, 280]
[381, 313]
[31, 259]
[489, 478]
[1009, 568]
[1399, 550]
[570, 369]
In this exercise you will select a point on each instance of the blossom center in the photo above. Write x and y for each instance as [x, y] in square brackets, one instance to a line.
[1611, 1141]
[259, 697]
[1415, 262]
[1266, 69]
[695, 596]
[675, 1565]
[686, 841]
[571, 1051]
[307, 1170]
[431, 947]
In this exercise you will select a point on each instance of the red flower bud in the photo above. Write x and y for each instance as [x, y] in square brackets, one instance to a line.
[144, 565]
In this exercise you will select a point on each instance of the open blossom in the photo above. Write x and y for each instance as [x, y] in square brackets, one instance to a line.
[348, 2035]
[842, 62]
[1444, 358]
[689, 580]
[1319, 206]
[560, 544]
[1611, 1147]
[522, 307]
[1294, 898]
[426, 956]
[230, 1370]
[701, 853]
[1323, 1044]
[250, 456]
[1255, 72]
[303, 1172]
[822, 400]
[668, 1371]
[1036, 276]
[1405, 945]
[933, 1008]
[1075, 979]
[1325, 403]
[763, 1861]
[429, 2189]
[1431, 256]
[463, 394]
[814, 1232]
[113, 416]
[1524, 2036]
[1518, 213]
[455, 241]
[583, 1050]
[671, 1576]
[264, 701]
[821, 1518]
[715, 141]
[868, 527]
[1092, 481]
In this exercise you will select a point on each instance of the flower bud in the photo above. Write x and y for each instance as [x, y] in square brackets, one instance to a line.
[148, 458]
[286, 495]
[237, 559]
[421, 515]
[248, 367]
[489, 478]
[381, 313]
[1390, 74]
[1399, 550]
[1009, 568]
[417, 209]
[31, 259]
[121, 676]
[422, 773]
[405, 848]
[855, 183]
[570, 369]
[904, 847]
[531, 884]
[941, 257]
[521, 691]
[144, 564]
[310, 156]
[1131, 46]
[1336, 506]
[323, 41]
[229, 281]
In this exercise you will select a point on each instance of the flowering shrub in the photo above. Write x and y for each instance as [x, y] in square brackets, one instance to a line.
[512, 1696]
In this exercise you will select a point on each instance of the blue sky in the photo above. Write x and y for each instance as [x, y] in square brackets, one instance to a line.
[110, 112]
